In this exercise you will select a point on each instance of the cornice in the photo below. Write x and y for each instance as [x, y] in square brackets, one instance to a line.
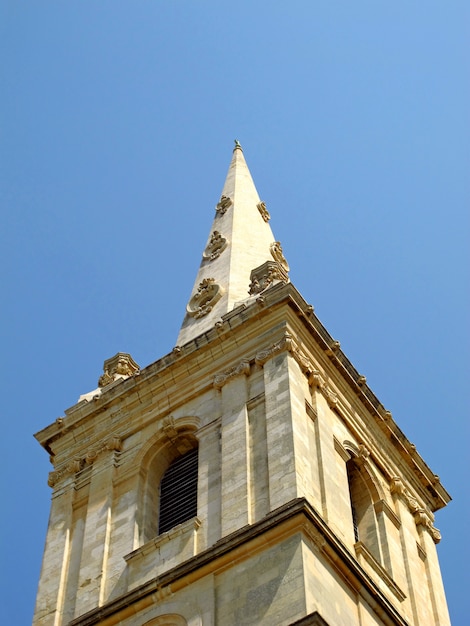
[256, 309]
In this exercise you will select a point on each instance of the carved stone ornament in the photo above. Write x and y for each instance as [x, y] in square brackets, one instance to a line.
[237, 370]
[223, 204]
[264, 211]
[421, 516]
[120, 366]
[113, 443]
[215, 247]
[287, 344]
[207, 295]
[276, 251]
[265, 275]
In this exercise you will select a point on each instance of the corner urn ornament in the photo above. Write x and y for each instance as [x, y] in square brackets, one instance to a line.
[206, 296]
[118, 367]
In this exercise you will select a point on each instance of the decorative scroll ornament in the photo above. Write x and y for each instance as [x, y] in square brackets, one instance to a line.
[421, 516]
[264, 211]
[276, 251]
[265, 275]
[237, 370]
[215, 247]
[78, 463]
[207, 295]
[120, 366]
[223, 204]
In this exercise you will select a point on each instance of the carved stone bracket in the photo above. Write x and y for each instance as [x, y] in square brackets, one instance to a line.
[207, 295]
[215, 247]
[223, 204]
[119, 366]
[75, 465]
[264, 211]
[421, 516]
[243, 368]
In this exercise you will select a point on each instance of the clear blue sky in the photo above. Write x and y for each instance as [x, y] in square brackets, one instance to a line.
[117, 121]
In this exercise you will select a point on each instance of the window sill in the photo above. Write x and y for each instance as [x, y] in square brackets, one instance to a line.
[163, 552]
[372, 567]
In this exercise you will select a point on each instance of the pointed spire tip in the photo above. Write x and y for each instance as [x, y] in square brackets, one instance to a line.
[238, 145]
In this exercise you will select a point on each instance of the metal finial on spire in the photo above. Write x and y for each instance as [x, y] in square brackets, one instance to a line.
[238, 145]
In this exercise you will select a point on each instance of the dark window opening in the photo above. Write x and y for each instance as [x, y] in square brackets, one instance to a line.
[178, 492]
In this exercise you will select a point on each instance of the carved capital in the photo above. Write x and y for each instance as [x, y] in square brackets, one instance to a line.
[285, 344]
[264, 211]
[243, 368]
[421, 516]
[111, 444]
[315, 379]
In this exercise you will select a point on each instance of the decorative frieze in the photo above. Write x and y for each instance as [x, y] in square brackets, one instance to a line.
[207, 295]
[215, 247]
[78, 463]
[223, 204]
[264, 211]
[243, 368]
[420, 515]
[120, 366]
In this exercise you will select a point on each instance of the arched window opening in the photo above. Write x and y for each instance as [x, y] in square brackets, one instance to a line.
[362, 510]
[178, 492]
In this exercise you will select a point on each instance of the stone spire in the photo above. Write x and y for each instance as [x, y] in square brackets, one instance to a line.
[241, 257]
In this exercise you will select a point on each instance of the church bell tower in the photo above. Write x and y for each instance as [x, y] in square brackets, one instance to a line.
[248, 477]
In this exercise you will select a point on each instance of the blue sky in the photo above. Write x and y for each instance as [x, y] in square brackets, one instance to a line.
[117, 121]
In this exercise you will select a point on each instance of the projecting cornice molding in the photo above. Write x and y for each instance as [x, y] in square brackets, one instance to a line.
[421, 516]
[243, 368]
[110, 444]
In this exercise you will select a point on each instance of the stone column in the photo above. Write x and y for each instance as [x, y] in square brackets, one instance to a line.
[52, 581]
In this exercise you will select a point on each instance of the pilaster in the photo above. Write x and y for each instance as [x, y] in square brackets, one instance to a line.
[93, 568]
[236, 506]
[52, 582]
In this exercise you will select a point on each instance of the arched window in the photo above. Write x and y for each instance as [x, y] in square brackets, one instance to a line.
[362, 508]
[168, 483]
[178, 492]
